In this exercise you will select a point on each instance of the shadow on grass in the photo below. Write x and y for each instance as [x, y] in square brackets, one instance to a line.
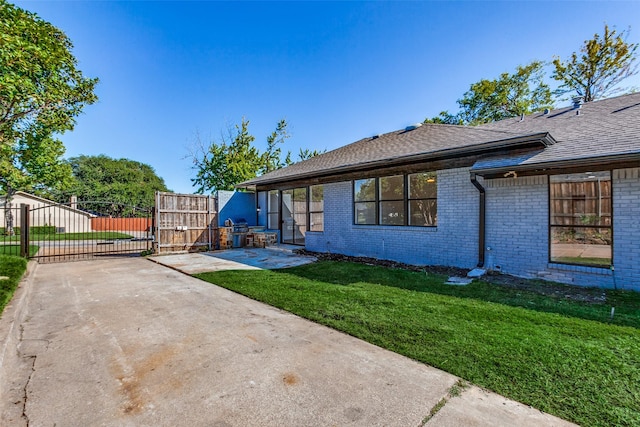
[626, 303]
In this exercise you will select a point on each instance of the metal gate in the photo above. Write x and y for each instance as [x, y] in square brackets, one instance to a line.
[84, 230]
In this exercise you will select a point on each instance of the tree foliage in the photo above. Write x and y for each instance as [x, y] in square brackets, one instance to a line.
[222, 165]
[41, 93]
[126, 185]
[510, 95]
[604, 61]
[445, 118]
[271, 158]
[306, 154]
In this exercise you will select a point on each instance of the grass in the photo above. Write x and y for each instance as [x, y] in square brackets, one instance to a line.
[15, 250]
[91, 235]
[596, 262]
[539, 350]
[12, 267]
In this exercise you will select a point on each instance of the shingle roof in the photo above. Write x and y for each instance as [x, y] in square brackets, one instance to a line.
[603, 128]
[606, 128]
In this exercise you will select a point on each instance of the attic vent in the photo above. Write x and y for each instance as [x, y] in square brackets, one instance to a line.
[412, 127]
[546, 111]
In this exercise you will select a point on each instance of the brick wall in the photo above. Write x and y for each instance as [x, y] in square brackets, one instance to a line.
[518, 236]
[453, 242]
[517, 230]
[626, 228]
[517, 225]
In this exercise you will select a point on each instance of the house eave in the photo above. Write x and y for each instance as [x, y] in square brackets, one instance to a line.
[619, 161]
[537, 140]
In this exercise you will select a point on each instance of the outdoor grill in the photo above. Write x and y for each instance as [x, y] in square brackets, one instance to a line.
[240, 230]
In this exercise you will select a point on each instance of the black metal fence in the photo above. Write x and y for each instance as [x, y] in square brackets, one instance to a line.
[54, 232]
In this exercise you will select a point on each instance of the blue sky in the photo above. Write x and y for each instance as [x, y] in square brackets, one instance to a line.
[336, 71]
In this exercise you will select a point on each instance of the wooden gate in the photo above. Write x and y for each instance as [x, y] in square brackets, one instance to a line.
[185, 222]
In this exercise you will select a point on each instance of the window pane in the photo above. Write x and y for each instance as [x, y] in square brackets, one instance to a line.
[392, 188]
[581, 245]
[579, 203]
[317, 222]
[316, 204]
[274, 201]
[273, 221]
[364, 190]
[423, 185]
[392, 213]
[365, 212]
[581, 199]
[423, 212]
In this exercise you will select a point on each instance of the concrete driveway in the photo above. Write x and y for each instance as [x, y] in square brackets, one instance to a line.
[128, 342]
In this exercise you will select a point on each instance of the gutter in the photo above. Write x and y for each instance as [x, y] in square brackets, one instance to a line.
[482, 219]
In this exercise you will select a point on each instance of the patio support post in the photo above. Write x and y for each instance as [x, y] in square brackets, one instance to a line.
[481, 220]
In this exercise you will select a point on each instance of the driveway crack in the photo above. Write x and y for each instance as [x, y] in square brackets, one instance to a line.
[32, 361]
[454, 391]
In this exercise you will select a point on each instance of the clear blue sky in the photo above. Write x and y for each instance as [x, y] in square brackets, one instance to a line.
[337, 71]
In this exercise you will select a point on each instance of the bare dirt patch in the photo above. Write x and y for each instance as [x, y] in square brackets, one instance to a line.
[542, 287]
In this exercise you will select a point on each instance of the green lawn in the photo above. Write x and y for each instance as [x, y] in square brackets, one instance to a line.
[539, 350]
[15, 250]
[91, 235]
[12, 267]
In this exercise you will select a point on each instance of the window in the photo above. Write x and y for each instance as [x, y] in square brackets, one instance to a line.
[316, 208]
[364, 197]
[387, 200]
[580, 218]
[273, 210]
[391, 198]
[423, 199]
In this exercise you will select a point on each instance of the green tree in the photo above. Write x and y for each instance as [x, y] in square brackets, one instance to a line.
[221, 166]
[117, 187]
[306, 154]
[41, 93]
[603, 63]
[271, 158]
[510, 95]
[445, 118]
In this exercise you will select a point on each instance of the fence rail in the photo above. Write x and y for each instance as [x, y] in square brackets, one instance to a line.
[52, 232]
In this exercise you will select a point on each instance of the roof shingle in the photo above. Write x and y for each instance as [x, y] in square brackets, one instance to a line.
[608, 127]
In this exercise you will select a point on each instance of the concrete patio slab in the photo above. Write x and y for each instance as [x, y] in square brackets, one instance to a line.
[233, 259]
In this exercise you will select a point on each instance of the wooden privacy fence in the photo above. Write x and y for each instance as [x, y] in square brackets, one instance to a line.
[581, 203]
[185, 222]
[120, 224]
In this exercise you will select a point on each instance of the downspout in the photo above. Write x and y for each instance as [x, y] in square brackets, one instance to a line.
[481, 225]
